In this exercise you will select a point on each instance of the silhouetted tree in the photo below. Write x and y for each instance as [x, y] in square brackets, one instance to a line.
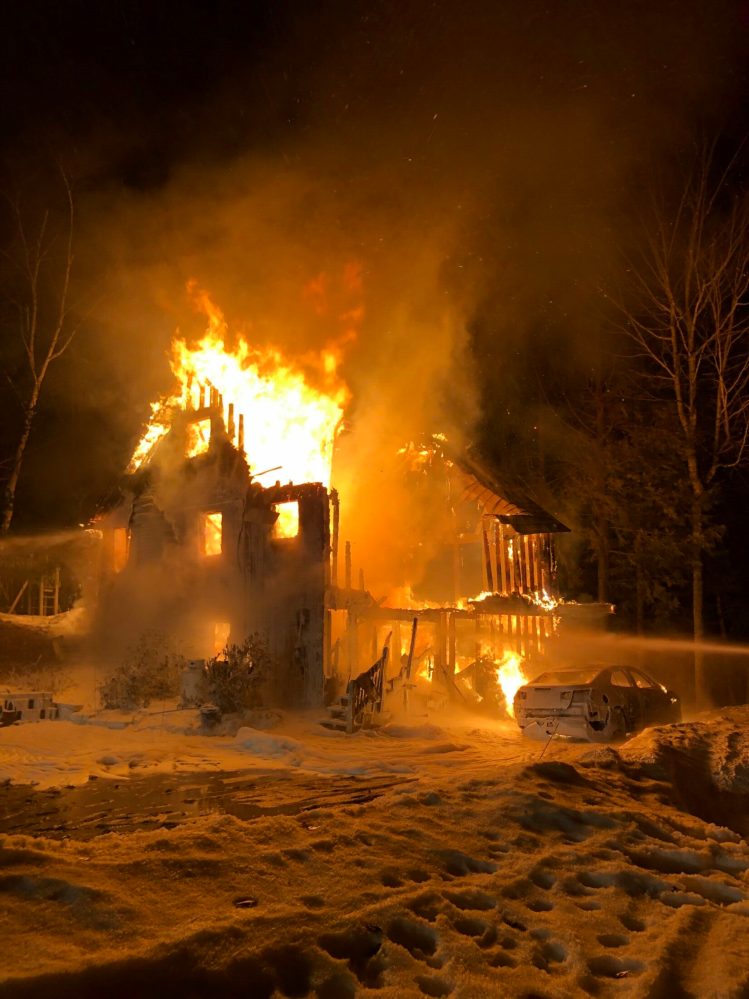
[689, 322]
[39, 262]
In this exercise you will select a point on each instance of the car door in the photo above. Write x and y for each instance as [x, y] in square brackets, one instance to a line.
[621, 680]
[651, 697]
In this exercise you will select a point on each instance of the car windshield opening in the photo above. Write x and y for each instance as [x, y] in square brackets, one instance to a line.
[568, 678]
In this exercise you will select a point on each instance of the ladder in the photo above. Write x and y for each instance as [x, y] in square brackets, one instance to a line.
[49, 594]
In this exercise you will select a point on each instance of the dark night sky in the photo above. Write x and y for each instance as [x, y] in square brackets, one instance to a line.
[479, 159]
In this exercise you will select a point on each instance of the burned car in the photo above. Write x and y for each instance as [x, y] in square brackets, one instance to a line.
[598, 703]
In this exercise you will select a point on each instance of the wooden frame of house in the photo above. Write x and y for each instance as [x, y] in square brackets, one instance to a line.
[498, 585]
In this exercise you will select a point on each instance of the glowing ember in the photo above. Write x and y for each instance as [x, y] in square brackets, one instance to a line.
[510, 677]
[287, 525]
[289, 421]
[543, 599]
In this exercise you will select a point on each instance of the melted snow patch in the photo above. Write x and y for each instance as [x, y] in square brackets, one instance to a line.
[264, 744]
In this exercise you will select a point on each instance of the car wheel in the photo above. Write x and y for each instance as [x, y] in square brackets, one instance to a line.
[615, 729]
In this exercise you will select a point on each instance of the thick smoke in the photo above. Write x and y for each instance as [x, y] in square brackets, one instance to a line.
[473, 162]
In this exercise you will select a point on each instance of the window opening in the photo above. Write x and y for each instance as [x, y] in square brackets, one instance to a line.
[221, 630]
[212, 533]
[620, 679]
[287, 525]
[198, 438]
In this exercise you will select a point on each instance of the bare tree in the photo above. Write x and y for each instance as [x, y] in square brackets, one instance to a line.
[690, 324]
[41, 261]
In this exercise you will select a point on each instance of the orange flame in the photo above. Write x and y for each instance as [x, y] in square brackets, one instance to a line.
[510, 676]
[287, 525]
[288, 421]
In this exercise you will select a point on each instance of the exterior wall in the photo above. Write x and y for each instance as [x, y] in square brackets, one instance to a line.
[285, 584]
[255, 583]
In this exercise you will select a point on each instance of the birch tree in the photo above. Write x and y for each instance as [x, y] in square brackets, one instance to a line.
[689, 323]
[39, 262]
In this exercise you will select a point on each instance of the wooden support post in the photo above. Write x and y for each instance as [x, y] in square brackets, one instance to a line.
[347, 566]
[56, 604]
[240, 433]
[334, 539]
[41, 595]
[486, 583]
[451, 643]
[502, 557]
[412, 647]
[529, 562]
[409, 663]
[230, 427]
[440, 660]
[361, 580]
[513, 585]
[496, 586]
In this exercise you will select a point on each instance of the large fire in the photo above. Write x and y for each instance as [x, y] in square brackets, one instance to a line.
[289, 417]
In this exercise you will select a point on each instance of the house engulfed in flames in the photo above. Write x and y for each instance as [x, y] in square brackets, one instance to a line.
[201, 546]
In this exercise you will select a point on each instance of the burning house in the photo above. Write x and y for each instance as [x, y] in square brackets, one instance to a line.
[197, 547]
[200, 544]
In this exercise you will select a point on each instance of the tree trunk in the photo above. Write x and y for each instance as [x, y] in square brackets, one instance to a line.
[9, 490]
[603, 572]
[639, 586]
[701, 686]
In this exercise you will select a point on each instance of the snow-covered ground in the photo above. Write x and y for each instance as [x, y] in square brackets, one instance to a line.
[498, 868]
